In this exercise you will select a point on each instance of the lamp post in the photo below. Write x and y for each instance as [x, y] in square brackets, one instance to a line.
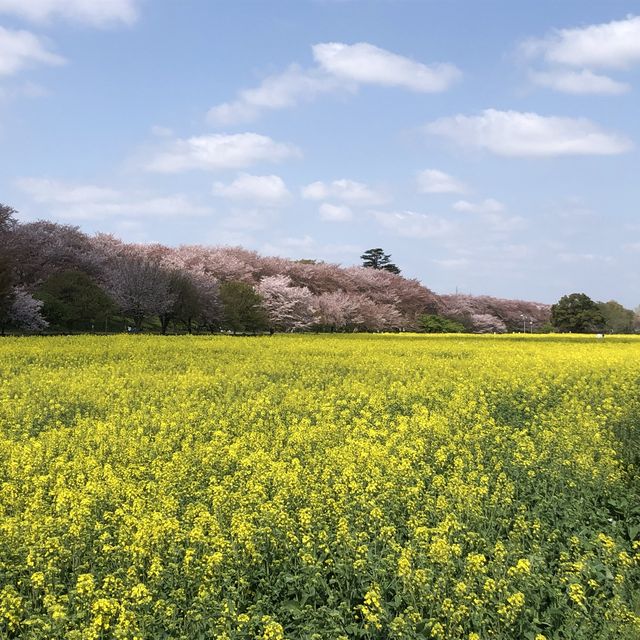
[524, 323]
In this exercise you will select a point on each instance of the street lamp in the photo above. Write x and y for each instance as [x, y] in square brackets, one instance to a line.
[524, 323]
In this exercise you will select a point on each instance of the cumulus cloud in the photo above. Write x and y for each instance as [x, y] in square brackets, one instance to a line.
[335, 212]
[413, 225]
[219, 151]
[97, 13]
[261, 189]
[339, 68]
[434, 181]
[22, 49]
[613, 44]
[349, 191]
[365, 63]
[90, 202]
[514, 133]
[578, 82]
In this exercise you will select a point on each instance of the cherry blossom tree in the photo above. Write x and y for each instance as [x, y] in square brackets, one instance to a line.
[511, 313]
[25, 312]
[288, 308]
[141, 288]
[43, 248]
[338, 310]
[487, 323]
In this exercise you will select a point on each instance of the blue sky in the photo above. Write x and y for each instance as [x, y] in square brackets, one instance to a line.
[490, 147]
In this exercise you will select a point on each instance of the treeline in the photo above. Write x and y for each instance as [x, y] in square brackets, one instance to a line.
[54, 278]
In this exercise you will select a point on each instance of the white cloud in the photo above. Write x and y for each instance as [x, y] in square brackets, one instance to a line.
[96, 13]
[413, 225]
[335, 212]
[220, 151]
[578, 82]
[261, 189]
[486, 206]
[350, 191]
[572, 258]
[452, 263]
[434, 181]
[291, 246]
[22, 90]
[91, 202]
[252, 219]
[275, 92]
[614, 44]
[45, 190]
[22, 49]
[161, 132]
[513, 133]
[492, 213]
[365, 63]
[339, 68]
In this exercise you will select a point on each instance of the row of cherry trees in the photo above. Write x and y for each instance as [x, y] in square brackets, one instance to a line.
[185, 284]
[484, 314]
[200, 287]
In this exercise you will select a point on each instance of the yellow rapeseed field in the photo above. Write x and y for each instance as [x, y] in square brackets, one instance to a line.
[320, 487]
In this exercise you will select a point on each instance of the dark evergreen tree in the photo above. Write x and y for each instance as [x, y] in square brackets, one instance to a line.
[378, 259]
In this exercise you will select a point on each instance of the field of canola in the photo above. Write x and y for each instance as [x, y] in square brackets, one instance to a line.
[320, 487]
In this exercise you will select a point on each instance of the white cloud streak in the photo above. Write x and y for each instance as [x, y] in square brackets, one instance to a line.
[269, 190]
[349, 191]
[492, 214]
[339, 68]
[486, 206]
[277, 91]
[90, 202]
[219, 151]
[578, 82]
[409, 224]
[22, 49]
[518, 134]
[96, 13]
[365, 63]
[335, 212]
[435, 181]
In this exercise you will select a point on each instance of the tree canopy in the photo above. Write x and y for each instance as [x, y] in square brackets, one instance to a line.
[437, 324]
[617, 319]
[577, 313]
[72, 299]
[242, 308]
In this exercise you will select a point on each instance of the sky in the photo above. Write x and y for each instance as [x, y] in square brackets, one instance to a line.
[491, 147]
